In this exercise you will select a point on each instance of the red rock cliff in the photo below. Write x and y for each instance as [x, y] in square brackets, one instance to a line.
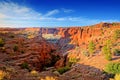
[82, 35]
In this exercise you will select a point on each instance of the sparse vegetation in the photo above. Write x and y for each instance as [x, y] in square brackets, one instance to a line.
[116, 34]
[25, 65]
[1, 42]
[38, 53]
[63, 69]
[12, 36]
[91, 47]
[73, 60]
[15, 47]
[113, 68]
[116, 52]
[107, 53]
[114, 24]
[22, 51]
[108, 43]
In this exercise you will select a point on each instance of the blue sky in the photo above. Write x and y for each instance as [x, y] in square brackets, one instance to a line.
[57, 13]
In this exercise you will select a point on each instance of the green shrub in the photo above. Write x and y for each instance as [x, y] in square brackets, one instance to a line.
[116, 52]
[116, 34]
[70, 64]
[12, 36]
[1, 42]
[108, 57]
[73, 60]
[113, 68]
[114, 24]
[24, 65]
[91, 47]
[63, 69]
[15, 47]
[108, 43]
[22, 51]
[107, 52]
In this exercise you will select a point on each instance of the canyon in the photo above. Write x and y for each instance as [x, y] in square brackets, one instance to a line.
[48, 49]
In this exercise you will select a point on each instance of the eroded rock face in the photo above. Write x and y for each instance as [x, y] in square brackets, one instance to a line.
[83, 35]
[48, 30]
[60, 63]
[36, 52]
[42, 52]
[79, 35]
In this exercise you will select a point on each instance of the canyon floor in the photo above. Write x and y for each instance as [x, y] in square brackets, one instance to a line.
[73, 53]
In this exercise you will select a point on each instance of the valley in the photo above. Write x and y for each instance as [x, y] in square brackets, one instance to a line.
[69, 53]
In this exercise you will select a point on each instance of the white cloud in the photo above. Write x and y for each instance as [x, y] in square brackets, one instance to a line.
[15, 11]
[2, 16]
[67, 10]
[12, 14]
[50, 13]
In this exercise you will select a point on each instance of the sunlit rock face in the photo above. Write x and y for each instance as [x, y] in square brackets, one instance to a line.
[35, 51]
[37, 46]
[52, 48]
[83, 35]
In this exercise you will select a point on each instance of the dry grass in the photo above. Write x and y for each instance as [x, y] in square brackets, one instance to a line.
[49, 78]
[34, 73]
[117, 77]
[3, 75]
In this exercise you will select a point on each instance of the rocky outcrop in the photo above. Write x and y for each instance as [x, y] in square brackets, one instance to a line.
[36, 52]
[82, 35]
[48, 30]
